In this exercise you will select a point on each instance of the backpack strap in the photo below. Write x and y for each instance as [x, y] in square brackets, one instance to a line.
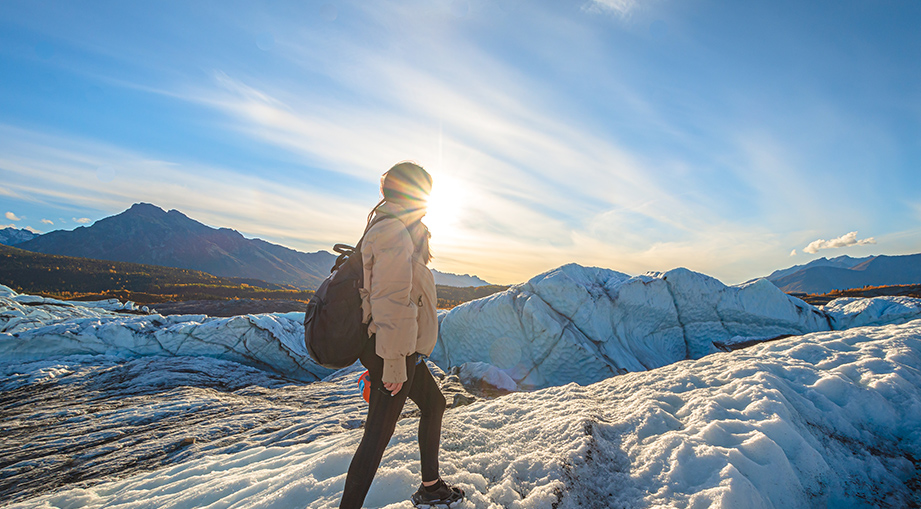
[345, 250]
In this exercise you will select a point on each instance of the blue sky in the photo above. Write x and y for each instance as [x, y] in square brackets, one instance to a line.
[732, 138]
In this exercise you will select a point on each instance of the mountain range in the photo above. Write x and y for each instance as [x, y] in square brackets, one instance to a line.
[147, 234]
[843, 272]
[458, 280]
[10, 236]
[150, 235]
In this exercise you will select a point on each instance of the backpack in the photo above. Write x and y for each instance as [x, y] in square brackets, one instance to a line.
[334, 331]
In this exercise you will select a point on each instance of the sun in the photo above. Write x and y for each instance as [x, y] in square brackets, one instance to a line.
[445, 205]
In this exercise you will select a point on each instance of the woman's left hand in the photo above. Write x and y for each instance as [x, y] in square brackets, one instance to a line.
[393, 388]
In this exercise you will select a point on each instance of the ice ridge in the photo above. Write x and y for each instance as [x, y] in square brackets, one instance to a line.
[585, 324]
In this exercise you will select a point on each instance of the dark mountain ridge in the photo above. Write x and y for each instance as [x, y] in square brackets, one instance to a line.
[842, 273]
[147, 234]
[457, 280]
[11, 236]
[842, 262]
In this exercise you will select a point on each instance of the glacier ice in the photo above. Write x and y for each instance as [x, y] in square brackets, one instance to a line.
[572, 324]
[850, 312]
[585, 324]
[827, 419]
[33, 329]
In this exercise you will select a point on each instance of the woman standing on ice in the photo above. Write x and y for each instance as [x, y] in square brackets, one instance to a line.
[399, 299]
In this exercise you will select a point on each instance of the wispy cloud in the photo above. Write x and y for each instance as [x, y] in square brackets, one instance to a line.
[82, 220]
[545, 185]
[622, 8]
[12, 217]
[51, 170]
[793, 253]
[47, 221]
[655, 170]
[846, 240]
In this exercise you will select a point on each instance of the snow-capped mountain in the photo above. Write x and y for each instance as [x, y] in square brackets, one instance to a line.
[841, 273]
[458, 280]
[826, 419]
[147, 234]
[12, 236]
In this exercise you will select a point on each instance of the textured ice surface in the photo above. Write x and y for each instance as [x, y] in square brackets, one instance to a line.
[572, 324]
[583, 324]
[44, 329]
[855, 312]
[81, 419]
[829, 419]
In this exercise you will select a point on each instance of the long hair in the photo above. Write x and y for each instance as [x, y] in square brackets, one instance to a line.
[408, 185]
[421, 241]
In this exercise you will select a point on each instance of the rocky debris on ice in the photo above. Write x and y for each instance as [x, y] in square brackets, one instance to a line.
[828, 419]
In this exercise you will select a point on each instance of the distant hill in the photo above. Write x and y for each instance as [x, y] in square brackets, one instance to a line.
[842, 273]
[841, 262]
[186, 291]
[10, 236]
[74, 278]
[458, 280]
[147, 234]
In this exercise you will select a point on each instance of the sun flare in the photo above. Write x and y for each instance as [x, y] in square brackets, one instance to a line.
[445, 205]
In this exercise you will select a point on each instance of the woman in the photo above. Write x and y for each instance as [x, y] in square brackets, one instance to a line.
[398, 299]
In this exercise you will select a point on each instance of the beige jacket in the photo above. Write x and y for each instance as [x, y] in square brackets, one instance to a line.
[398, 297]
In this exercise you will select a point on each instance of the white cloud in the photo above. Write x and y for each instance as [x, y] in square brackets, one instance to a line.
[793, 253]
[47, 221]
[82, 220]
[11, 225]
[12, 217]
[849, 239]
[33, 230]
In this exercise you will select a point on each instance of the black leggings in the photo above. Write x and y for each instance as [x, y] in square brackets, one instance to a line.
[383, 412]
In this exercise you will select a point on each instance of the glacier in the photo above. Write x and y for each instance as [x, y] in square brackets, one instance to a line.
[34, 328]
[585, 324]
[105, 405]
[571, 324]
[826, 419]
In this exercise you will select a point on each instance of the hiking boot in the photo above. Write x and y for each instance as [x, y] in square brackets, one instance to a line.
[439, 494]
